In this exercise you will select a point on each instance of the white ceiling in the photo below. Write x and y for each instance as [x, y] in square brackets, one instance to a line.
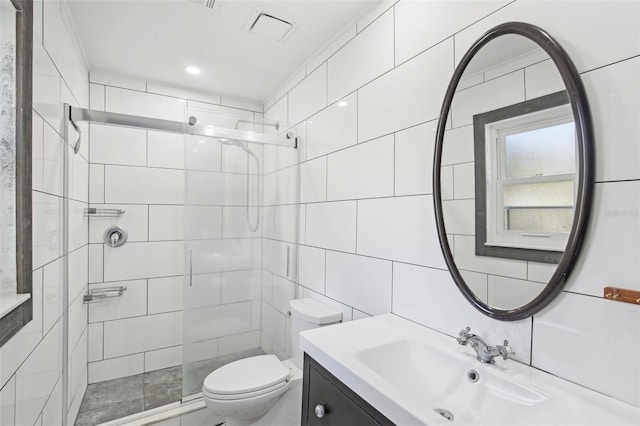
[155, 40]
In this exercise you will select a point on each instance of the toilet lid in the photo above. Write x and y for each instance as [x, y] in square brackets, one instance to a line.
[246, 375]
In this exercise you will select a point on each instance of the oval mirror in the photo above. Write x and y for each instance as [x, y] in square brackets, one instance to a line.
[513, 171]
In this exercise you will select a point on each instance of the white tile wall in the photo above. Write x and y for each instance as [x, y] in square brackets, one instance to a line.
[542, 79]
[217, 321]
[142, 334]
[114, 368]
[132, 303]
[493, 94]
[37, 152]
[332, 225]
[313, 180]
[162, 358]
[31, 366]
[364, 58]
[96, 183]
[143, 260]
[411, 235]
[165, 294]
[364, 171]
[135, 220]
[237, 286]
[118, 145]
[37, 376]
[509, 293]
[52, 294]
[616, 326]
[95, 340]
[418, 25]
[358, 281]
[8, 402]
[144, 104]
[408, 95]
[202, 222]
[239, 343]
[311, 263]
[167, 223]
[614, 40]
[143, 185]
[615, 213]
[333, 128]
[165, 150]
[309, 96]
[52, 170]
[429, 297]
[614, 106]
[603, 45]
[202, 153]
[464, 253]
[413, 159]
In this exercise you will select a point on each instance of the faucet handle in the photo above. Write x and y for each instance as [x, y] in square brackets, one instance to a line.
[505, 350]
[464, 335]
[465, 331]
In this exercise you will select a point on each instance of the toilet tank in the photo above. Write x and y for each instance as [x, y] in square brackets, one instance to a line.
[306, 314]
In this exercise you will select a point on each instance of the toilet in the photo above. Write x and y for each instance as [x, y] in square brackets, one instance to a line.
[262, 390]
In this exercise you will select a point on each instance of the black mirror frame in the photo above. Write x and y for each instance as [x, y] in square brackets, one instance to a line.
[584, 129]
[12, 322]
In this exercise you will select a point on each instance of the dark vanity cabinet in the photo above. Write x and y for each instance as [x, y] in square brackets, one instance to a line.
[327, 401]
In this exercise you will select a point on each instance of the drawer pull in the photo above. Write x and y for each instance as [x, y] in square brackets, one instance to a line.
[319, 411]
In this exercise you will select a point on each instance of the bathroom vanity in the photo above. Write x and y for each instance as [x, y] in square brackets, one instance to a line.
[388, 370]
[328, 401]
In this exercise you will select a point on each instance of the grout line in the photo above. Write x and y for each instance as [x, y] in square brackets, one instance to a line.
[392, 267]
[394, 164]
[609, 64]
[356, 248]
[393, 19]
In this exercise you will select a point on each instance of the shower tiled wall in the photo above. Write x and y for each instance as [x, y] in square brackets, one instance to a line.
[31, 362]
[369, 104]
[143, 173]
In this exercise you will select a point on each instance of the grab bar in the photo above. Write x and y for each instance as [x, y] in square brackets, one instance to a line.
[99, 294]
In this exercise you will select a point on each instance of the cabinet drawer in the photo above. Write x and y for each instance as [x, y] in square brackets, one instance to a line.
[342, 406]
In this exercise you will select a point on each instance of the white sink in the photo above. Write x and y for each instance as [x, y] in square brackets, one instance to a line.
[409, 372]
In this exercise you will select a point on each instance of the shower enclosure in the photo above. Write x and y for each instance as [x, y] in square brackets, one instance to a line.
[231, 226]
[231, 254]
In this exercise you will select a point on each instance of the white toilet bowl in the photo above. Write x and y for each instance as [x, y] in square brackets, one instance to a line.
[244, 391]
[262, 390]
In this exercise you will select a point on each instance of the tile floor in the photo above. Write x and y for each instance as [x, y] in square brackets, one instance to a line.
[113, 399]
[118, 398]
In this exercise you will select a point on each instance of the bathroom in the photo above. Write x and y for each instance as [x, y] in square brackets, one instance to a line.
[332, 200]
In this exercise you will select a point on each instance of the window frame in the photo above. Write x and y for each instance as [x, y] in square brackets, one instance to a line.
[483, 204]
[496, 134]
[21, 314]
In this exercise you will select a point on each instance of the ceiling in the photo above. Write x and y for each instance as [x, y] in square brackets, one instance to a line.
[156, 40]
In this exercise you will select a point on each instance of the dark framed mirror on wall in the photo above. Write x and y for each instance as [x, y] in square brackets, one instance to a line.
[16, 47]
[513, 171]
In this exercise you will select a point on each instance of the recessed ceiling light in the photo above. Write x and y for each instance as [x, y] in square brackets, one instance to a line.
[342, 104]
[193, 70]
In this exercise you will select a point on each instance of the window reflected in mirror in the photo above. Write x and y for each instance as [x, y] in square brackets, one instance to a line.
[529, 176]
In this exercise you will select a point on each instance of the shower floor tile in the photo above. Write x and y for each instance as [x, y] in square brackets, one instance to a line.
[117, 398]
[122, 397]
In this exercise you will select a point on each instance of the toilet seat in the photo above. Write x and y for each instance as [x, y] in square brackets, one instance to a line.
[246, 378]
[245, 395]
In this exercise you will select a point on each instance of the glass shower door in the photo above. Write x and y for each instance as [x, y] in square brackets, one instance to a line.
[225, 226]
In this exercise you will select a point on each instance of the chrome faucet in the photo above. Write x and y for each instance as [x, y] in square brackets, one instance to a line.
[484, 352]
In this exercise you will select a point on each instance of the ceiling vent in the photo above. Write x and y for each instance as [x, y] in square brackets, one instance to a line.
[272, 27]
